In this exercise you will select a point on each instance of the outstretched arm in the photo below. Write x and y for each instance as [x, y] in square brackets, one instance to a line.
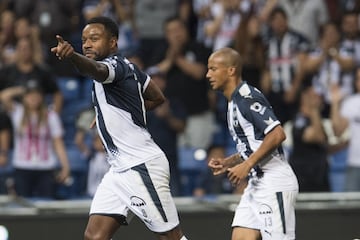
[86, 66]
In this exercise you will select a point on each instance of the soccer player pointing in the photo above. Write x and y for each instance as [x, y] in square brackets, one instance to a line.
[266, 209]
[138, 179]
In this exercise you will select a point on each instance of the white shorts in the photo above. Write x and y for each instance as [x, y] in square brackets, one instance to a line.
[272, 214]
[144, 190]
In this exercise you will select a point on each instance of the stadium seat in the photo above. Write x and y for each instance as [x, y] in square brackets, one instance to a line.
[192, 164]
[70, 88]
[85, 89]
[192, 158]
[76, 188]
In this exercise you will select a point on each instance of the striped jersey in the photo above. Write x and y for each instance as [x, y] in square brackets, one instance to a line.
[250, 118]
[330, 74]
[282, 59]
[121, 115]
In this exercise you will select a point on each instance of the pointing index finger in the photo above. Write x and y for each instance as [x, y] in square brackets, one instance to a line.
[60, 39]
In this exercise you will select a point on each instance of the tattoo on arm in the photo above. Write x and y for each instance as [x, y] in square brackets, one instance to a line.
[235, 159]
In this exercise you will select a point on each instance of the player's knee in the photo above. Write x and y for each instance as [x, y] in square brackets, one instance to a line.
[89, 235]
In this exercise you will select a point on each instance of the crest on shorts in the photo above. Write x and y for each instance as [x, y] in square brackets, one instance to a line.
[137, 202]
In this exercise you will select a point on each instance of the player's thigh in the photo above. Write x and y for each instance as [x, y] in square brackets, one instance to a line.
[276, 213]
[241, 233]
[101, 227]
[151, 198]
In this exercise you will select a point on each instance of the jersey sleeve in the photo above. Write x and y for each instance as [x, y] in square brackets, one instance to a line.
[116, 70]
[258, 112]
[120, 68]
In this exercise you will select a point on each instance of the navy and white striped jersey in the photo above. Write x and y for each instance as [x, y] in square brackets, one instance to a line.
[330, 74]
[282, 59]
[352, 47]
[250, 118]
[121, 115]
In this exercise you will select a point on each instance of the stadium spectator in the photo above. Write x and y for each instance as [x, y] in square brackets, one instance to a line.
[306, 16]
[220, 29]
[150, 17]
[350, 42]
[38, 144]
[121, 12]
[202, 12]
[165, 123]
[309, 156]
[326, 62]
[52, 17]
[24, 29]
[249, 43]
[345, 114]
[350, 33]
[5, 148]
[98, 165]
[182, 61]
[7, 37]
[286, 52]
[25, 71]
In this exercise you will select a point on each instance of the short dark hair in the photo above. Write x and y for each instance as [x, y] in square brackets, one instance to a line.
[349, 13]
[323, 27]
[110, 26]
[174, 18]
[277, 10]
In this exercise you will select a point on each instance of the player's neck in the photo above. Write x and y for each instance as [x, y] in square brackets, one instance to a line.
[229, 89]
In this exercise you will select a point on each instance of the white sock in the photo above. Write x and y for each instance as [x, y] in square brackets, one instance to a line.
[183, 238]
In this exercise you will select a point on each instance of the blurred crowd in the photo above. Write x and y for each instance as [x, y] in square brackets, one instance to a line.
[304, 55]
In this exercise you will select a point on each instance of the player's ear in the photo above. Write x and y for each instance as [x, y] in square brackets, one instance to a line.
[231, 71]
[113, 42]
